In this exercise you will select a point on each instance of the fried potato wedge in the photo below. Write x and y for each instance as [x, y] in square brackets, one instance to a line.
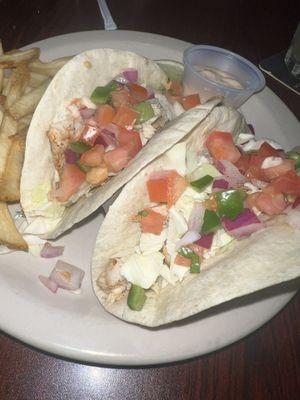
[27, 103]
[9, 126]
[9, 235]
[19, 80]
[5, 146]
[48, 68]
[15, 57]
[10, 181]
[37, 79]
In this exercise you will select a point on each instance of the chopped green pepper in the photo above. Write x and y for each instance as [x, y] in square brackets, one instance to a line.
[191, 255]
[230, 203]
[146, 111]
[211, 222]
[143, 213]
[294, 154]
[79, 147]
[202, 183]
[136, 298]
[101, 94]
[82, 167]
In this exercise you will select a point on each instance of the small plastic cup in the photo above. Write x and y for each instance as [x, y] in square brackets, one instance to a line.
[242, 70]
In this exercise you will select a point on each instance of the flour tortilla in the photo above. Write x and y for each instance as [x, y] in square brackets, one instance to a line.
[268, 257]
[78, 78]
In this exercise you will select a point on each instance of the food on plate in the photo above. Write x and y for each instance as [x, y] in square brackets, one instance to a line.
[65, 276]
[89, 132]
[205, 223]
[9, 235]
[23, 80]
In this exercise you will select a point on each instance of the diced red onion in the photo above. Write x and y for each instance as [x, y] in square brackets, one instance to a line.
[86, 112]
[66, 275]
[205, 240]
[196, 217]
[220, 184]
[231, 171]
[244, 225]
[49, 283]
[293, 217]
[296, 203]
[259, 184]
[49, 251]
[90, 134]
[71, 157]
[188, 238]
[131, 74]
[107, 138]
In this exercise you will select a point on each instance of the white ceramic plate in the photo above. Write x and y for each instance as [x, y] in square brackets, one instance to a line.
[76, 326]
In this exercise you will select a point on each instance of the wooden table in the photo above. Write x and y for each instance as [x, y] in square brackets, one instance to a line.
[264, 365]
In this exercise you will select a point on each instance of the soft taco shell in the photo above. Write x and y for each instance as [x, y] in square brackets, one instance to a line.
[78, 78]
[268, 257]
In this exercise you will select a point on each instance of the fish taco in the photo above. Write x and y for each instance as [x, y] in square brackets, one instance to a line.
[214, 218]
[89, 133]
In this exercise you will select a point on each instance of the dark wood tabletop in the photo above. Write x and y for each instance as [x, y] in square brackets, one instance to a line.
[264, 365]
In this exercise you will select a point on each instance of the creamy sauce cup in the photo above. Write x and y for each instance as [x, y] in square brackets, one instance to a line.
[216, 58]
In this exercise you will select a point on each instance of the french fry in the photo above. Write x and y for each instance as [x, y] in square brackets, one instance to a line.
[5, 145]
[15, 57]
[1, 113]
[48, 68]
[19, 80]
[9, 126]
[10, 182]
[24, 122]
[27, 103]
[9, 235]
[37, 79]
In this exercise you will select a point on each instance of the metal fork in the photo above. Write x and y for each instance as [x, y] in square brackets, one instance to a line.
[109, 23]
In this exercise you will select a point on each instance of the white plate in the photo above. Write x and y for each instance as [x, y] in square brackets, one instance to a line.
[76, 326]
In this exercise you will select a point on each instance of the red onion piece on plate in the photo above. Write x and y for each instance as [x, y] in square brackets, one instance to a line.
[49, 251]
[71, 157]
[231, 171]
[131, 74]
[107, 138]
[196, 217]
[244, 225]
[66, 275]
[188, 238]
[51, 285]
[205, 240]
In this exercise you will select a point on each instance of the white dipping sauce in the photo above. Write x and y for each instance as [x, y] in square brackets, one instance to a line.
[218, 76]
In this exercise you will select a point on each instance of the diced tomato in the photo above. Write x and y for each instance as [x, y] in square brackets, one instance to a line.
[221, 147]
[190, 101]
[243, 163]
[116, 159]
[71, 180]
[166, 187]
[122, 97]
[180, 260]
[255, 171]
[93, 157]
[153, 222]
[104, 114]
[270, 202]
[279, 170]
[266, 150]
[125, 117]
[175, 89]
[288, 183]
[130, 140]
[138, 92]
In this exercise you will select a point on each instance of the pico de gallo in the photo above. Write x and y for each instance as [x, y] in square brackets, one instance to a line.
[236, 190]
[103, 133]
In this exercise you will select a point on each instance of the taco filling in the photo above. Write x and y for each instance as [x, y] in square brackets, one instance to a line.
[197, 210]
[99, 135]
